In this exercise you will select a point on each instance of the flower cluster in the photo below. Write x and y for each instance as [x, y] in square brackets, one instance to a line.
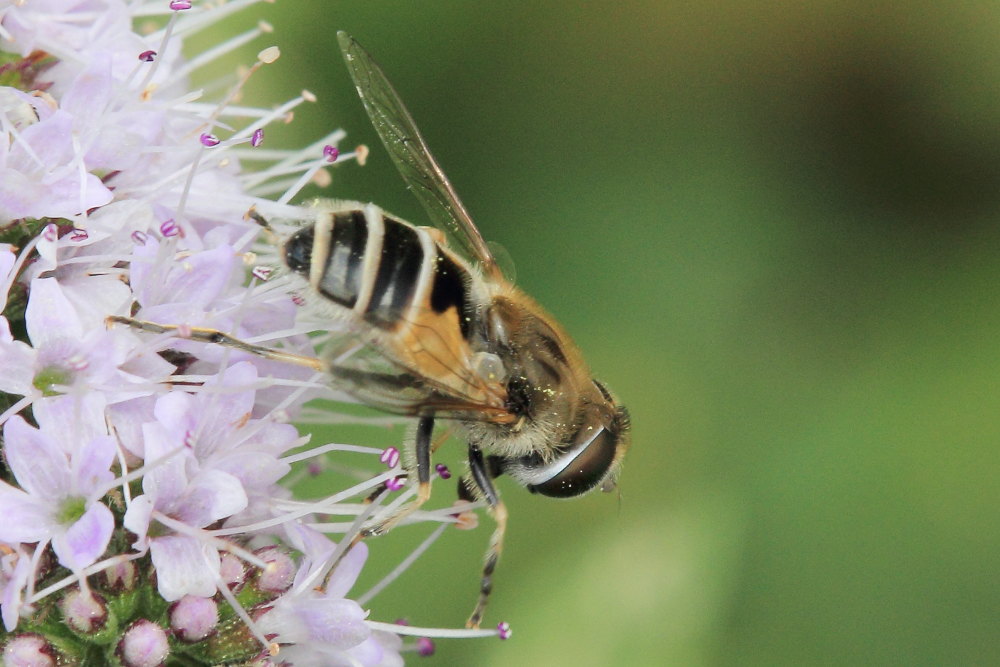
[144, 514]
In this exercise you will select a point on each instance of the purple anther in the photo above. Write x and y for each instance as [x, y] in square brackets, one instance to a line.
[169, 228]
[180, 5]
[139, 238]
[331, 153]
[262, 272]
[425, 646]
[208, 140]
[147, 56]
[389, 456]
[503, 630]
[257, 138]
[79, 235]
[394, 483]
[442, 471]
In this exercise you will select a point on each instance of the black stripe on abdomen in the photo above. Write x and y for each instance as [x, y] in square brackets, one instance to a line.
[341, 281]
[398, 272]
[451, 285]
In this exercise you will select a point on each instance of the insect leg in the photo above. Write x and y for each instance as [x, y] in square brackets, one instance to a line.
[422, 447]
[483, 479]
[219, 338]
[423, 451]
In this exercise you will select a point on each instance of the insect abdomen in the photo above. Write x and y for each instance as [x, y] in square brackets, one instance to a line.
[383, 269]
[397, 277]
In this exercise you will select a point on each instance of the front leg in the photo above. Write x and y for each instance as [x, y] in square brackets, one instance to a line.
[217, 337]
[482, 477]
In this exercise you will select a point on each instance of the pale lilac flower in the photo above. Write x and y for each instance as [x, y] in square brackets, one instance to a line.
[68, 353]
[177, 490]
[324, 627]
[68, 27]
[40, 174]
[112, 141]
[59, 496]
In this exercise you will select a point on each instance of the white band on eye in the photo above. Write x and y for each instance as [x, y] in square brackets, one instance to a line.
[535, 476]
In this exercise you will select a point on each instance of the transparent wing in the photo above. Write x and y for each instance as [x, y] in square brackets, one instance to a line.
[375, 370]
[409, 152]
[369, 367]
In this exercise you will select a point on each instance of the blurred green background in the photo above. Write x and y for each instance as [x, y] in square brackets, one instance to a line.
[773, 228]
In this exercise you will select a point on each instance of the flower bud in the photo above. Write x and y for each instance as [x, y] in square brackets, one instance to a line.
[193, 618]
[120, 577]
[233, 572]
[28, 650]
[277, 576]
[143, 645]
[84, 611]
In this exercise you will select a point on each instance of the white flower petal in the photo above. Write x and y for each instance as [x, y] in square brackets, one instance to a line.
[38, 463]
[184, 566]
[70, 420]
[95, 297]
[212, 495]
[16, 570]
[347, 571]
[334, 621]
[50, 316]
[7, 259]
[137, 518]
[84, 541]
[91, 473]
[17, 359]
[25, 517]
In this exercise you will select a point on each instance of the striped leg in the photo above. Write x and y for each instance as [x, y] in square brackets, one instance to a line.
[482, 479]
[219, 338]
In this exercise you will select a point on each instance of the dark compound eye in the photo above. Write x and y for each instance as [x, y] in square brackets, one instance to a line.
[581, 467]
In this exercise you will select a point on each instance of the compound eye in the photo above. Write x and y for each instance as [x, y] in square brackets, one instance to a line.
[580, 468]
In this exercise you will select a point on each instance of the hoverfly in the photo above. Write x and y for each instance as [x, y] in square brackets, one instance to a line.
[440, 333]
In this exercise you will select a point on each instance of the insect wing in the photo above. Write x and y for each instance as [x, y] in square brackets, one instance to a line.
[371, 368]
[413, 159]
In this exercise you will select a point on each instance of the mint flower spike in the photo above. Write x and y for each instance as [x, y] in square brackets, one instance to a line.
[148, 467]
